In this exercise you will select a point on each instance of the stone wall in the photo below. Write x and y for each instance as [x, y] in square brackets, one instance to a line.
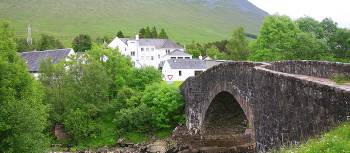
[320, 69]
[282, 108]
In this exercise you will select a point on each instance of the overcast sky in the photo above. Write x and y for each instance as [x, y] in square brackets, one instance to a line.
[338, 10]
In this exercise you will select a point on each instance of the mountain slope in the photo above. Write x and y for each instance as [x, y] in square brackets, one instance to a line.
[184, 20]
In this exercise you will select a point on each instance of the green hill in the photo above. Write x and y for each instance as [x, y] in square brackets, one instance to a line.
[184, 20]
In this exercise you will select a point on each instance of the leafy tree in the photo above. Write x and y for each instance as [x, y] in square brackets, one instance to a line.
[22, 45]
[47, 42]
[142, 33]
[144, 76]
[309, 47]
[342, 43]
[82, 43]
[163, 34]
[310, 25]
[23, 116]
[103, 40]
[195, 49]
[214, 53]
[148, 33]
[166, 102]
[120, 34]
[238, 45]
[154, 32]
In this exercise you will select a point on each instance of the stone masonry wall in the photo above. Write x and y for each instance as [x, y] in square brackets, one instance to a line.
[282, 108]
[320, 69]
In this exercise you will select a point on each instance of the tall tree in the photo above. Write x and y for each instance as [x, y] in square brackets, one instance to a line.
[23, 116]
[82, 43]
[48, 42]
[154, 32]
[238, 45]
[163, 34]
[120, 34]
[148, 33]
[142, 32]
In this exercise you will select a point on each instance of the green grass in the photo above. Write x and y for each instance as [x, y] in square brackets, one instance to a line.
[335, 141]
[183, 20]
[341, 78]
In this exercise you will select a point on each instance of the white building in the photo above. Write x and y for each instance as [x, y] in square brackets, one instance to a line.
[180, 69]
[145, 52]
[33, 59]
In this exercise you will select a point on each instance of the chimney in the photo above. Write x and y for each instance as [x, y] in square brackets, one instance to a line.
[137, 37]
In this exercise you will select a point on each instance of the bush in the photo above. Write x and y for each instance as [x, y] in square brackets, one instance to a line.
[341, 78]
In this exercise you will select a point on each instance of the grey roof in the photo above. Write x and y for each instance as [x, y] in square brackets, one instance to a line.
[158, 43]
[34, 58]
[178, 52]
[187, 64]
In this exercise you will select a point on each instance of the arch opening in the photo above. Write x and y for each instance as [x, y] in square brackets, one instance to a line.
[225, 123]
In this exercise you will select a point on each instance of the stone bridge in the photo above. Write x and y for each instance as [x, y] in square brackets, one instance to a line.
[276, 104]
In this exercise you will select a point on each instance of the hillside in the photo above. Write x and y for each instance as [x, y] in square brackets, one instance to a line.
[184, 20]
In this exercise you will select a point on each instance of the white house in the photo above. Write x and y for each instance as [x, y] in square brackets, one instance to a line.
[180, 69]
[33, 59]
[145, 52]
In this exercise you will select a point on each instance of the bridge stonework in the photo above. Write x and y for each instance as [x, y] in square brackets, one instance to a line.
[284, 102]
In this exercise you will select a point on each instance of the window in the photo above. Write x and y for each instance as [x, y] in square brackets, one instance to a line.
[124, 49]
[152, 49]
[173, 57]
[142, 58]
[180, 58]
[167, 51]
[187, 57]
[197, 73]
[132, 53]
[158, 56]
[180, 73]
[142, 49]
[152, 58]
[147, 49]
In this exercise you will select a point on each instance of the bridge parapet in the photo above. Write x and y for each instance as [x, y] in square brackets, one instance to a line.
[321, 69]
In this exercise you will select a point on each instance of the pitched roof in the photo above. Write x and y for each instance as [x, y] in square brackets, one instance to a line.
[158, 43]
[34, 58]
[178, 52]
[187, 64]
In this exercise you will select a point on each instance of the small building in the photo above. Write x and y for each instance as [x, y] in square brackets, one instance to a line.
[34, 58]
[145, 52]
[181, 69]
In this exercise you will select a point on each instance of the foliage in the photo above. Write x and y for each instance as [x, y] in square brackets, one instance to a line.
[238, 45]
[143, 77]
[303, 39]
[335, 141]
[120, 34]
[82, 43]
[163, 34]
[23, 116]
[341, 78]
[214, 53]
[47, 42]
[103, 40]
[165, 102]
[22, 45]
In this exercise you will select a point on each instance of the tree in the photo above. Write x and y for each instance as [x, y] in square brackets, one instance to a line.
[143, 77]
[142, 33]
[163, 34]
[47, 42]
[22, 45]
[214, 53]
[148, 33]
[82, 43]
[310, 25]
[238, 45]
[166, 103]
[342, 43]
[154, 32]
[195, 49]
[120, 34]
[23, 116]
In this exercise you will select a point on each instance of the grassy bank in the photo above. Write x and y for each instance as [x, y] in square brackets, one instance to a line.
[335, 141]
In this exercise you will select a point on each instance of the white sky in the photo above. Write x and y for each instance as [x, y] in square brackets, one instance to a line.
[338, 10]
